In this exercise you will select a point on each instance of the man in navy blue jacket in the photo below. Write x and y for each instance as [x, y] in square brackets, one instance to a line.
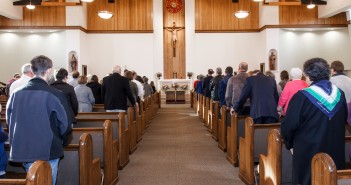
[262, 91]
[37, 120]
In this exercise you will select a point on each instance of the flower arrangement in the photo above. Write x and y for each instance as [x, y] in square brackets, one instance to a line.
[190, 74]
[158, 74]
[175, 86]
[165, 88]
[184, 87]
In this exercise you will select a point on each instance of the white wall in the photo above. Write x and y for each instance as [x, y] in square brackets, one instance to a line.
[134, 51]
[17, 49]
[297, 47]
[227, 49]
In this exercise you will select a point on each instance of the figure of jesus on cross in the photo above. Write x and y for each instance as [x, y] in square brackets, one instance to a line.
[174, 30]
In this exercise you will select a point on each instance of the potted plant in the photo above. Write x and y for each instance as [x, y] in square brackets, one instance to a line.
[158, 74]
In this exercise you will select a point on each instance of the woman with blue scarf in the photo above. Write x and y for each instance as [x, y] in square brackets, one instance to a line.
[315, 121]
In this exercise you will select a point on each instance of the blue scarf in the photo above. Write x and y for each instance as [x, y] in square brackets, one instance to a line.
[325, 96]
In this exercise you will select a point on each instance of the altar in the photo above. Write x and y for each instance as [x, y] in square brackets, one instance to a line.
[175, 85]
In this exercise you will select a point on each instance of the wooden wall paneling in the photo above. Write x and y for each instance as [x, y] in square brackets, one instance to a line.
[293, 15]
[40, 16]
[171, 63]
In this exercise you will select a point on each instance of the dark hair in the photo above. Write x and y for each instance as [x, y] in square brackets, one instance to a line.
[316, 69]
[337, 66]
[229, 70]
[284, 75]
[94, 78]
[129, 75]
[139, 79]
[40, 65]
[82, 80]
[152, 83]
[210, 71]
[61, 74]
[75, 74]
[145, 79]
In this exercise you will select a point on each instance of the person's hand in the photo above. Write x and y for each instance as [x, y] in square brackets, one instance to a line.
[232, 111]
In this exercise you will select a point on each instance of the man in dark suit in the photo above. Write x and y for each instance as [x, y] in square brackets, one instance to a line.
[262, 91]
[115, 91]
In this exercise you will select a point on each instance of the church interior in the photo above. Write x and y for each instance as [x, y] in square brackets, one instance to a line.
[175, 136]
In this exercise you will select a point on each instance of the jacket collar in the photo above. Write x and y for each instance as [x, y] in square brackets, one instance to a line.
[339, 74]
[38, 80]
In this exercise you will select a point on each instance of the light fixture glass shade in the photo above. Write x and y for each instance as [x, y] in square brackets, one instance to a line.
[30, 7]
[258, 0]
[241, 14]
[88, 1]
[310, 6]
[105, 14]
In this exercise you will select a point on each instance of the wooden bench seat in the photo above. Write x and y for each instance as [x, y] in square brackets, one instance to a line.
[324, 171]
[222, 128]
[99, 108]
[38, 174]
[234, 131]
[215, 116]
[210, 116]
[250, 147]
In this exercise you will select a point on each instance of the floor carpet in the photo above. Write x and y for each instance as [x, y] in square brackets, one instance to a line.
[178, 150]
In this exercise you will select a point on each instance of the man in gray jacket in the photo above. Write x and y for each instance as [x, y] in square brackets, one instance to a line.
[339, 79]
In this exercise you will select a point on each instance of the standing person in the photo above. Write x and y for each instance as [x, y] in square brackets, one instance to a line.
[3, 157]
[152, 84]
[206, 83]
[140, 86]
[95, 87]
[214, 84]
[74, 81]
[147, 87]
[85, 96]
[340, 80]
[67, 90]
[284, 76]
[222, 86]
[36, 130]
[262, 91]
[199, 85]
[133, 87]
[27, 74]
[234, 88]
[16, 76]
[115, 91]
[315, 121]
[196, 81]
[290, 89]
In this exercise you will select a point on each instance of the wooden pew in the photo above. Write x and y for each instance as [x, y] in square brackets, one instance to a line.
[275, 166]
[38, 174]
[196, 102]
[120, 125]
[191, 99]
[132, 129]
[222, 129]
[143, 117]
[105, 147]
[3, 98]
[139, 127]
[254, 143]
[324, 171]
[99, 108]
[234, 131]
[215, 116]
[206, 106]
[76, 167]
[201, 108]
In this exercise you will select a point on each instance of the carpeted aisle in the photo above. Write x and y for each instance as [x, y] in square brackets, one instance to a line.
[178, 150]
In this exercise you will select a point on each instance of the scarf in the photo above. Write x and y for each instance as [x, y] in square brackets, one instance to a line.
[325, 96]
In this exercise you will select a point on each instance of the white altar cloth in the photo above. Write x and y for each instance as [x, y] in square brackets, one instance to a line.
[179, 82]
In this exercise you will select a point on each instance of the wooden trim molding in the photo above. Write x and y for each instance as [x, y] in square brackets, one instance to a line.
[72, 28]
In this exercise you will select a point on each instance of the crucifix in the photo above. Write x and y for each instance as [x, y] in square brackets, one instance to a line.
[174, 30]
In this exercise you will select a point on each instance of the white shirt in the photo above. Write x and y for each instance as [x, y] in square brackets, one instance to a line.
[140, 88]
[73, 82]
[19, 83]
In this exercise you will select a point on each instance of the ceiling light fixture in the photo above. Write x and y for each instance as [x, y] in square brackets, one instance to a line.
[88, 1]
[105, 14]
[258, 0]
[310, 6]
[241, 14]
[30, 6]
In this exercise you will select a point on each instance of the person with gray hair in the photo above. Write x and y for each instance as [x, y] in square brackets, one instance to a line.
[214, 84]
[38, 122]
[339, 79]
[27, 74]
[115, 90]
[290, 89]
[315, 121]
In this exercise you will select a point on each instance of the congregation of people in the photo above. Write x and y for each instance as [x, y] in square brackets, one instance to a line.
[55, 102]
[312, 104]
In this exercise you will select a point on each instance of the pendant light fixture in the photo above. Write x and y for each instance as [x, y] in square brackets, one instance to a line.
[30, 6]
[105, 14]
[240, 14]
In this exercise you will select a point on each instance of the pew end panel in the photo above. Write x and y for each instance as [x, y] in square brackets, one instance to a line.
[234, 131]
[123, 140]
[215, 121]
[222, 129]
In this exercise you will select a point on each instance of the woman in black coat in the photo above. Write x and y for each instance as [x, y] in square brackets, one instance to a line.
[315, 122]
[95, 86]
[62, 85]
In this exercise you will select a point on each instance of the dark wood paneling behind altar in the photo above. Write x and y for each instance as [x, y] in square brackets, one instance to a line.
[128, 15]
[292, 15]
[41, 16]
[217, 15]
[171, 63]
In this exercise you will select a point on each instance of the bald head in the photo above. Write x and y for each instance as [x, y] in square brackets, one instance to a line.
[117, 69]
[243, 66]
